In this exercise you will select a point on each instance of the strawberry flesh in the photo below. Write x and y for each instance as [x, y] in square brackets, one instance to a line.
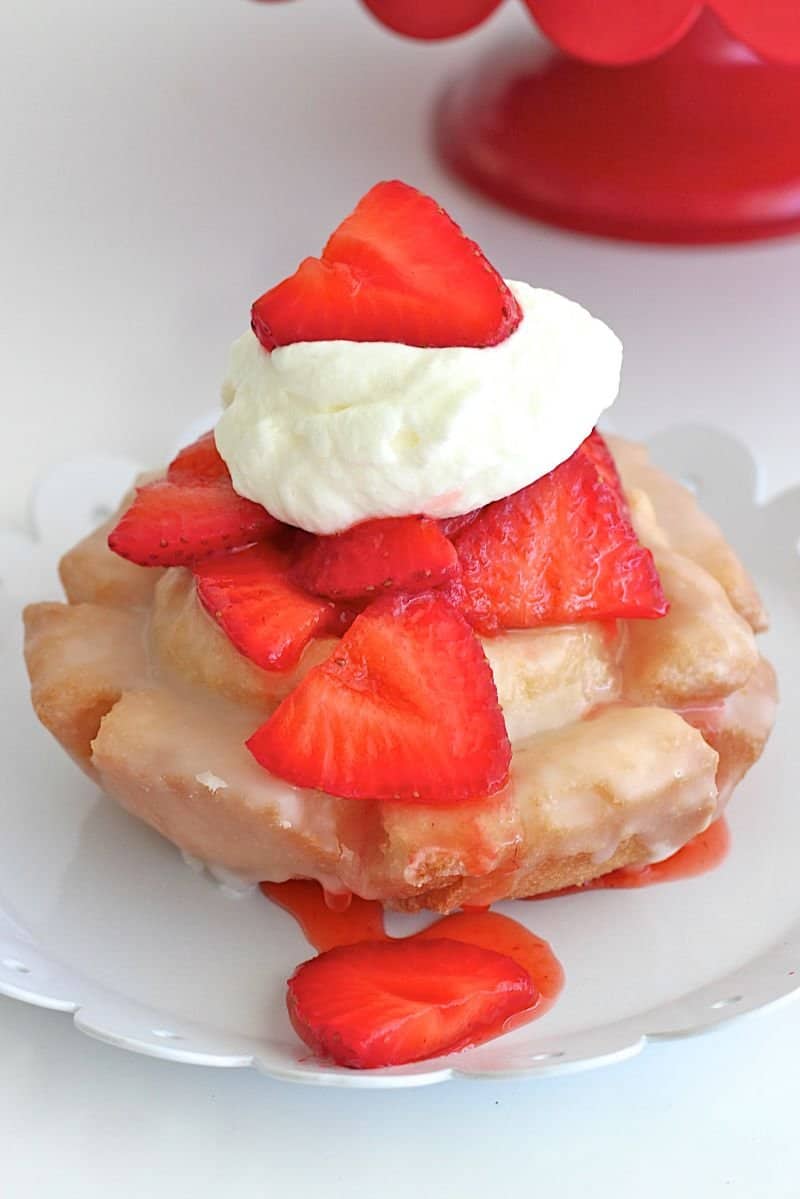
[561, 550]
[596, 448]
[451, 525]
[405, 553]
[405, 708]
[397, 269]
[199, 462]
[177, 524]
[386, 1003]
[264, 614]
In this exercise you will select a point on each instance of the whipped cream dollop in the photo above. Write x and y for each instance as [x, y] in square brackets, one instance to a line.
[329, 433]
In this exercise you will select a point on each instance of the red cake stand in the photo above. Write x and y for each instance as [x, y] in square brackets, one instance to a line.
[699, 144]
[654, 120]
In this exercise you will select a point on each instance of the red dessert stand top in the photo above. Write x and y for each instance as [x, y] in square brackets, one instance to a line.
[612, 32]
[654, 120]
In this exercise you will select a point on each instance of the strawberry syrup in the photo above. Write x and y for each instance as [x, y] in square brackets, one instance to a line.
[325, 927]
[703, 853]
[330, 921]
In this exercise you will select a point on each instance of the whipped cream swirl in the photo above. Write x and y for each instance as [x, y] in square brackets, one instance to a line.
[330, 433]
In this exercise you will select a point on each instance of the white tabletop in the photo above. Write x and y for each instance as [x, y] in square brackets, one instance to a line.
[164, 163]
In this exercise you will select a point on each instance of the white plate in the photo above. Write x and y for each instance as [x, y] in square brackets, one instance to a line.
[99, 917]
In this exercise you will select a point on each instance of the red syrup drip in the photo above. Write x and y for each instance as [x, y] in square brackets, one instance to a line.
[702, 854]
[325, 927]
[329, 921]
[338, 901]
[363, 920]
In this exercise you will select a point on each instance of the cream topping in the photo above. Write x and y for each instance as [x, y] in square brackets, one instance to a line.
[329, 433]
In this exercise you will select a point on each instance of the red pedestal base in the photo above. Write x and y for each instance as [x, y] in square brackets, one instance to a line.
[699, 145]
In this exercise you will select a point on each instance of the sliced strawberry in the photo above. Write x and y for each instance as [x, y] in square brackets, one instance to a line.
[199, 462]
[404, 553]
[346, 613]
[405, 708]
[450, 525]
[384, 1003]
[561, 550]
[597, 449]
[397, 269]
[266, 616]
[173, 524]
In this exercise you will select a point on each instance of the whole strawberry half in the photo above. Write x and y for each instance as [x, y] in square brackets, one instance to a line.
[561, 550]
[385, 1003]
[404, 708]
[264, 614]
[404, 553]
[397, 269]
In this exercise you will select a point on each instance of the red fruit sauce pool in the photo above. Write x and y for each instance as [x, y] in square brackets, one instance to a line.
[329, 921]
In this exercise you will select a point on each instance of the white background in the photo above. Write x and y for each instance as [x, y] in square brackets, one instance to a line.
[163, 163]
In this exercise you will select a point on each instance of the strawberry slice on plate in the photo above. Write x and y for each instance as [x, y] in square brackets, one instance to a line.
[403, 553]
[267, 617]
[385, 1003]
[561, 550]
[397, 269]
[405, 708]
[200, 462]
[177, 524]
